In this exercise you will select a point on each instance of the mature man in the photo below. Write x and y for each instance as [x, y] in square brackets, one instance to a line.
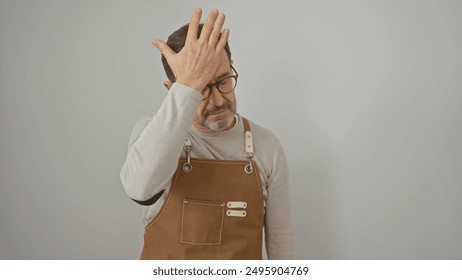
[210, 179]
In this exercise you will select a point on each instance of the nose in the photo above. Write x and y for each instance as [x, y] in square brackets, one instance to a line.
[216, 98]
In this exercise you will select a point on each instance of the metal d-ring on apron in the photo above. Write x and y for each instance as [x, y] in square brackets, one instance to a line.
[187, 167]
[248, 151]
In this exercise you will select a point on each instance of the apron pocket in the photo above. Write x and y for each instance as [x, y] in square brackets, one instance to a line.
[202, 222]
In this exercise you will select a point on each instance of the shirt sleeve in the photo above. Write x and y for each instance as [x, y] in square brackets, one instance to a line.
[278, 219]
[156, 144]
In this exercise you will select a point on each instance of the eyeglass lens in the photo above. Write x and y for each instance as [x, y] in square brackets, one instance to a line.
[226, 85]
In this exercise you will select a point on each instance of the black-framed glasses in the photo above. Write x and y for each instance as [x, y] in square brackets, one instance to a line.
[224, 86]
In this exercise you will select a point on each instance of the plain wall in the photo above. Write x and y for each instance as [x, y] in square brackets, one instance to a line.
[366, 97]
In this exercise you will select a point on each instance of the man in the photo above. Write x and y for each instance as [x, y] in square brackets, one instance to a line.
[210, 179]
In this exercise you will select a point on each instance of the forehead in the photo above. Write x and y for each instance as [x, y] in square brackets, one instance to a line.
[224, 67]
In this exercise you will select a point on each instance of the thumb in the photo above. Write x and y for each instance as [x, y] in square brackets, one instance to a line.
[163, 48]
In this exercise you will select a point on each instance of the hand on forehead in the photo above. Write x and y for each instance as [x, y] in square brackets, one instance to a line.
[198, 61]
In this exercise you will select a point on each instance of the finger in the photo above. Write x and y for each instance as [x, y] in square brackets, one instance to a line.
[164, 48]
[216, 32]
[194, 25]
[223, 39]
[208, 26]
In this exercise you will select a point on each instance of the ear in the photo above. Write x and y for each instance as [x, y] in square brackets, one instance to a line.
[168, 84]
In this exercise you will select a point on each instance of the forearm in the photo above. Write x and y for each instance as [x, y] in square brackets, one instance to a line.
[279, 239]
[152, 158]
[279, 229]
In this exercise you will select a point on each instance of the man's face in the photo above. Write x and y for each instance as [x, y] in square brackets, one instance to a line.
[216, 113]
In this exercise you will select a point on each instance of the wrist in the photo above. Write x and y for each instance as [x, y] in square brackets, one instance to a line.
[188, 87]
[196, 85]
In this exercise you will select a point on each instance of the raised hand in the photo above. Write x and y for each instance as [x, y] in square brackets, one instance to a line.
[197, 62]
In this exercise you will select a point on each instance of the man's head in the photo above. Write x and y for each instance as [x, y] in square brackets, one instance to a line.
[215, 113]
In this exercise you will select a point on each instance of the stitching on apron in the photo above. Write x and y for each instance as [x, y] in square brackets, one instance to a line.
[221, 161]
[260, 191]
[221, 227]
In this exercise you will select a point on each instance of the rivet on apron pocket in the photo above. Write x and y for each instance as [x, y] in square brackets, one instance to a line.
[237, 204]
[236, 213]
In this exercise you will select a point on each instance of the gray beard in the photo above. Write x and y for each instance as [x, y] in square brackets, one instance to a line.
[217, 125]
[221, 123]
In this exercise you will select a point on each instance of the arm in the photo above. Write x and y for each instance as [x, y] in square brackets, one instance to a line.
[278, 220]
[152, 159]
[154, 149]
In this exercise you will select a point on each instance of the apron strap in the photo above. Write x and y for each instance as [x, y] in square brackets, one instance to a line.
[246, 124]
[187, 167]
[248, 139]
[248, 145]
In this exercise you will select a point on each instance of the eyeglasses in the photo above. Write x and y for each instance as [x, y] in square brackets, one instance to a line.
[225, 85]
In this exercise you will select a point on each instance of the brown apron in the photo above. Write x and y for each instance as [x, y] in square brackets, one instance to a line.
[214, 210]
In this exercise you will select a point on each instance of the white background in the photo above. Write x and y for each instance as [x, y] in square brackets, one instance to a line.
[366, 97]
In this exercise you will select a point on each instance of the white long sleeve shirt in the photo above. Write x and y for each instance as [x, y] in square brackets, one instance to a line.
[156, 143]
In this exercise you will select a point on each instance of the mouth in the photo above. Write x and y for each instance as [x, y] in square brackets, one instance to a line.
[216, 112]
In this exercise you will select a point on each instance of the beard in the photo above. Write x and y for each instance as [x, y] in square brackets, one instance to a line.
[218, 122]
